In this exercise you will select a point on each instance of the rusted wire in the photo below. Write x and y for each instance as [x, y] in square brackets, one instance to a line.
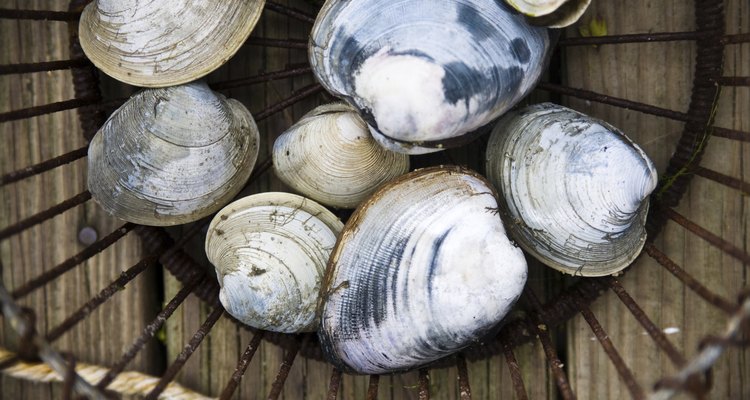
[726, 180]
[187, 351]
[736, 39]
[424, 384]
[283, 43]
[45, 215]
[40, 15]
[149, 332]
[43, 166]
[709, 237]
[69, 377]
[622, 369]
[734, 81]
[733, 134]
[632, 38]
[286, 366]
[515, 371]
[656, 334]
[697, 287]
[26, 68]
[333, 384]
[260, 78]
[615, 101]
[463, 378]
[702, 362]
[540, 329]
[372, 387]
[71, 262]
[290, 12]
[242, 365]
[23, 327]
[104, 295]
[296, 96]
[36, 111]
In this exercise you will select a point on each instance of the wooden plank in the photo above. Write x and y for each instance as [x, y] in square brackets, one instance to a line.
[661, 74]
[35, 250]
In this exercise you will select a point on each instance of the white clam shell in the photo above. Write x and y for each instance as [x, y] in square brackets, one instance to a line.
[329, 156]
[172, 155]
[270, 252]
[425, 74]
[551, 13]
[422, 269]
[574, 189]
[161, 43]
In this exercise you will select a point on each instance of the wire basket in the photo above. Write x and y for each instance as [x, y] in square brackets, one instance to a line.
[91, 307]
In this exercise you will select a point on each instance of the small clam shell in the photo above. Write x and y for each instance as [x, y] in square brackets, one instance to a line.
[551, 13]
[574, 189]
[424, 74]
[422, 269]
[171, 156]
[330, 157]
[164, 43]
[270, 252]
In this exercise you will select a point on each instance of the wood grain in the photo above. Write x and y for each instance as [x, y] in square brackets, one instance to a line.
[37, 249]
[660, 74]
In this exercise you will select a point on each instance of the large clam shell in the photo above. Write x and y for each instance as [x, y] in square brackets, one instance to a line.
[425, 73]
[574, 189]
[422, 269]
[165, 42]
[172, 155]
[329, 156]
[270, 252]
[551, 13]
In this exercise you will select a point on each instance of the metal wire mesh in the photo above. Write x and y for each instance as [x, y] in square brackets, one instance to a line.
[539, 318]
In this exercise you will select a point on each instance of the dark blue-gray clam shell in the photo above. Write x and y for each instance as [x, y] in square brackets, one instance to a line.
[424, 73]
[421, 270]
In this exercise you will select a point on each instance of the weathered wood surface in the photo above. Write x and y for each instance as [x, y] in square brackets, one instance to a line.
[661, 74]
[105, 334]
[658, 74]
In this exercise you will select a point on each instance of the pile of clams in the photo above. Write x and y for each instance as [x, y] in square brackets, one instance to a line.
[427, 264]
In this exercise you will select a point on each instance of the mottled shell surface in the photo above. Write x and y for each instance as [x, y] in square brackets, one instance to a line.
[422, 269]
[330, 156]
[424, 74]
[574, 189]
[161, 43]
[270, 251]
[551, 13]
[171, 156]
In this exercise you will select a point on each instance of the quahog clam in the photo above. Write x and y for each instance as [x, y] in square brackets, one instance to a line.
[329, 156]
[270, 252]
[172, 155]
[551, 13]
[164, 42]
[424, 74]
[574, 189]
[422, 269]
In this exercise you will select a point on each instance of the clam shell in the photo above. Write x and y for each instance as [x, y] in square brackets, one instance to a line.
[270, 252]
[551, 13]
[330, 157]
[172, 156]
[422, 269]
[574, 189]
[424, 74]
[164, 43]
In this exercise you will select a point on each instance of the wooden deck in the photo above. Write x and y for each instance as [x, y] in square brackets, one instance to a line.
[654, 73]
